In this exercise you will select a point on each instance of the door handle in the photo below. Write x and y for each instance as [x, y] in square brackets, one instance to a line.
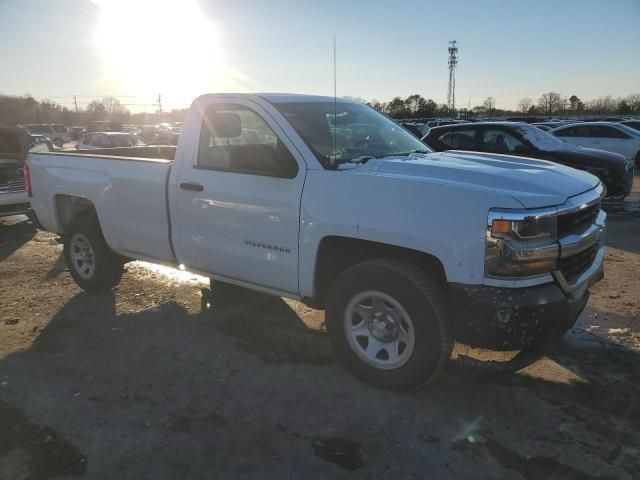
[194, 187]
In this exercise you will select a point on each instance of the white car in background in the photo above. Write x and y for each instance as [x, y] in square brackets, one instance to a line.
[613, 137]
[94, 141]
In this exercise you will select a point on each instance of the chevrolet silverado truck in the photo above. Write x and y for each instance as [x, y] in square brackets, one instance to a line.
[329, 202]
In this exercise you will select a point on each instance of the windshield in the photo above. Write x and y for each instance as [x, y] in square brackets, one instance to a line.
[338, 133]
[540, 139]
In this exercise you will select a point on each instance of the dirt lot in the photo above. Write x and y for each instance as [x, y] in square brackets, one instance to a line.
[164, 380]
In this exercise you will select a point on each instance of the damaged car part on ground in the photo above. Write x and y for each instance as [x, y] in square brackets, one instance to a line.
[336, 205]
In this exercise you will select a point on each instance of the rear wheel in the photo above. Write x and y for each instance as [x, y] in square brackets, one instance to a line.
[638, 163]
[92, 264]
[58, 142]
[388, 322]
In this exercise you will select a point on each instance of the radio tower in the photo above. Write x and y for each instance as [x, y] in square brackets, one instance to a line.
[453, 63]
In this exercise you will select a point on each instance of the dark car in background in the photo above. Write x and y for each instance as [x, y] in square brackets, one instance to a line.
[15, 144]
[515, 138]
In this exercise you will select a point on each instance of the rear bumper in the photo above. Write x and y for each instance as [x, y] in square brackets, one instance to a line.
[514, 319]
[13, 209]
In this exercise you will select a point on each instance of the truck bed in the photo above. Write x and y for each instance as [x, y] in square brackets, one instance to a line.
[126, 186]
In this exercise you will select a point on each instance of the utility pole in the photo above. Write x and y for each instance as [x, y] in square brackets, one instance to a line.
[75, 102]
[160, 103]
[453, 63]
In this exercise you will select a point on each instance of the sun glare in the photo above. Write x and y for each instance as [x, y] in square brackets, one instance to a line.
[166, 47]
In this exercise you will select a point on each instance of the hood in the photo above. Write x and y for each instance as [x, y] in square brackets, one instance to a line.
[533, 183]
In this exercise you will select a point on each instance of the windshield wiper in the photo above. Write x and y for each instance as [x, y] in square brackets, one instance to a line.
[361, 159]
[404, 154]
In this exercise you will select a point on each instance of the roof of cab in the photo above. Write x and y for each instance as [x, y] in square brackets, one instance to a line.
[280, 97]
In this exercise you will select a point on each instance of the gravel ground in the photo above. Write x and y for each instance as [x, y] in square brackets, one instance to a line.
[162, 379]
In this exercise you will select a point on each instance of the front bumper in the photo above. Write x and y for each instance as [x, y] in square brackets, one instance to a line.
[506, 319]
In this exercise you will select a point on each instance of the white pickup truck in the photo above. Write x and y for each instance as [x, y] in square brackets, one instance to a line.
[332, 203]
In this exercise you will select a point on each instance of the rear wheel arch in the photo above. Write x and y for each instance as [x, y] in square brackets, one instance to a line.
[337, 253]
[69, 207]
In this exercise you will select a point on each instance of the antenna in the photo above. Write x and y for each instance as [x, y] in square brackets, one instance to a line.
[335, 102]
[453, 63]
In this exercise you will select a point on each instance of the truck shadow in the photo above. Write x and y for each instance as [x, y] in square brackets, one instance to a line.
[167, 375]
[13, 235]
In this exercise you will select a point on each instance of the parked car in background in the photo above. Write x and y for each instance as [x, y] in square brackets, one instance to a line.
[147, 132]
[57, 134]
[635, 124]
[446, 121]
[511, 138]
[494, 251]
[165, 138]
[62, 133]
[15, 143]
[76, 133]
[93, 141]
[610, 136]
[104, 126]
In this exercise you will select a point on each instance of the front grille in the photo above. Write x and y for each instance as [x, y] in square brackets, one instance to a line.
[577, 222]
[15, 186]
[572, 267]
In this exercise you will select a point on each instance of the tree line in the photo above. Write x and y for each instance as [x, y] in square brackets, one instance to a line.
[548, 104]
[16, 110]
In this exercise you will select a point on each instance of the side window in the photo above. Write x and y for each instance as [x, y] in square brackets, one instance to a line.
[236, 139]
[500, 141]
[103, 142]
[565, 132]
[602, 131]
[583, 131]
[462, 139]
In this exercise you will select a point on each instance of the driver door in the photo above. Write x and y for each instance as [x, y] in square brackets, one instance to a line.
[238, 199]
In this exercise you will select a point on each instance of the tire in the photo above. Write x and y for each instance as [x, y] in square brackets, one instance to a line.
[58, 142]
[637, 163]
[101, 269]
[414, 310]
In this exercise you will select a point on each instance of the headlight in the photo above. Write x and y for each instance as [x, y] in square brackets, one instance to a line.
[521, 244]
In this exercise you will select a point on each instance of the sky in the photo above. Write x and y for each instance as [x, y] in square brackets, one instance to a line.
[138, 49]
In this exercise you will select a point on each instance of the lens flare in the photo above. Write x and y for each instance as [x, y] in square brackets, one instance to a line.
[162, 46]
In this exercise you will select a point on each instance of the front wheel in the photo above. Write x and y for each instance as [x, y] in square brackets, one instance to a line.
[388, 322]
[92, 264]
